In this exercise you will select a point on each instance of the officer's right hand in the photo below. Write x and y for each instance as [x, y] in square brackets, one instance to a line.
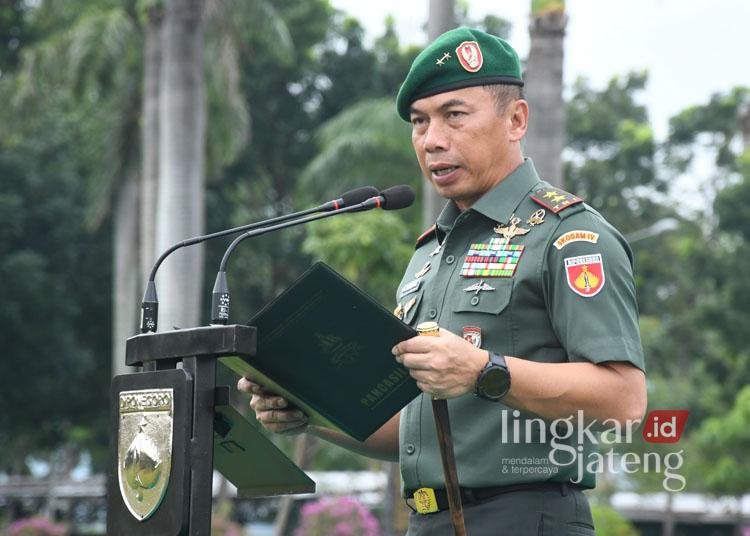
[273, 412]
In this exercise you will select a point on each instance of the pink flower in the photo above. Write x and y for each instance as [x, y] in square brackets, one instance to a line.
[342, 516]
[35, 526]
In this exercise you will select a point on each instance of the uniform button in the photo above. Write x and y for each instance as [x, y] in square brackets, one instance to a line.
[449, 259]
[475, 300]
[432, 313]
[410, 448]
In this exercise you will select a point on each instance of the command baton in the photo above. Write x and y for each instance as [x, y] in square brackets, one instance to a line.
[445, 440]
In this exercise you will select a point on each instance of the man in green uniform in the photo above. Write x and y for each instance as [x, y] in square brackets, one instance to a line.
[534, 294]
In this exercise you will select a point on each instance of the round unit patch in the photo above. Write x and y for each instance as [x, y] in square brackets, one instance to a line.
[585, 274]
[470, 56]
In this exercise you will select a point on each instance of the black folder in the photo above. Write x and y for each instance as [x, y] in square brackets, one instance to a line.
[325, 345]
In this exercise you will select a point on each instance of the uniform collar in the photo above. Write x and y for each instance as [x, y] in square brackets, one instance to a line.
[501, 201]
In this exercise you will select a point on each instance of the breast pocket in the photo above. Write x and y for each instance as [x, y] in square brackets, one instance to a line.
[482, 317]
[486, 301]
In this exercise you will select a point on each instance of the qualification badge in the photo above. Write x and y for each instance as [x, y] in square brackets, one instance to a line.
[537, 218]
[473, 334]
[409, 305]
[476, 288]
[512, 229]
[423, 271]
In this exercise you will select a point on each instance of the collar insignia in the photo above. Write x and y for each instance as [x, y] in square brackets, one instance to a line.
[537, 218]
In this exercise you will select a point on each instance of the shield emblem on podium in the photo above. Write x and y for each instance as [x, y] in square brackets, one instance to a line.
[144, 448]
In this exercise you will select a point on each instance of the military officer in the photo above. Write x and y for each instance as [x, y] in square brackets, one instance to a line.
[534, 294]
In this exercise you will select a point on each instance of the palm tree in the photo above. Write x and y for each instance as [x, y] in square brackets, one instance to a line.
[97, 48]
[366, 143]
[544, 83]
[181, 187]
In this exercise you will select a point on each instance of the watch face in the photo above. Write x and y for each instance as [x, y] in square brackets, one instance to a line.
[495, 382]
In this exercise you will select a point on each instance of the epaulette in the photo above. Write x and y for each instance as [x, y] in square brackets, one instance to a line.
[425, 236]
[554, 199]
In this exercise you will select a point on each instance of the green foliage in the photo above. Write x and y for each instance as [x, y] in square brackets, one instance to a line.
[609, 522]
[367, 143]
[539, 7]
[55, 316]
[370, 249]
[724, 442]
[331, 69]
[723, 119]
[14, 32]
[612, 152]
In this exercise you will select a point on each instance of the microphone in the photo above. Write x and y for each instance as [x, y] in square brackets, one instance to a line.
[394, 198]
[150, 303]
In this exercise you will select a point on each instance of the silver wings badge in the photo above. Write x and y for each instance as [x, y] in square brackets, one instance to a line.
[476, 288]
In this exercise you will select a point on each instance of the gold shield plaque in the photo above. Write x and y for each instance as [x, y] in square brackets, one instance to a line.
[144, 448]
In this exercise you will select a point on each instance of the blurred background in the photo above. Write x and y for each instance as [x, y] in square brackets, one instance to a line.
[128, 125]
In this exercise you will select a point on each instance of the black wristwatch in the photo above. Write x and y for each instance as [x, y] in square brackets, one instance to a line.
[493, 382]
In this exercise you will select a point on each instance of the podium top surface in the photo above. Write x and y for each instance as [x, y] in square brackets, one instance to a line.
[206, 341]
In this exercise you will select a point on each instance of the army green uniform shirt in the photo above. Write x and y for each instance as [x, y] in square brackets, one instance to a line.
[528, 271]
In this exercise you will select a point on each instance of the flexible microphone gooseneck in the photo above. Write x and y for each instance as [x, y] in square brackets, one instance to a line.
[394, 198]
[150, 303]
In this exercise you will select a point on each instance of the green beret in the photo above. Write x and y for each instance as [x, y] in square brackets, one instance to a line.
[459, 58]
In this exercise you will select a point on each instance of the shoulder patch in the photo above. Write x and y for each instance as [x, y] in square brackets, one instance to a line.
[424, 237]
[555, 199]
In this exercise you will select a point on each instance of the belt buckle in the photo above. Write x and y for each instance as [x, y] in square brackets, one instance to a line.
[425, 501]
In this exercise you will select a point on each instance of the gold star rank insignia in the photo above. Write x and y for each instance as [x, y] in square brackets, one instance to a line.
[555, 199]
[512, 229]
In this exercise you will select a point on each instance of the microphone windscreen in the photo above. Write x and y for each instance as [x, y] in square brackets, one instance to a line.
[358, 195]
[397, 197]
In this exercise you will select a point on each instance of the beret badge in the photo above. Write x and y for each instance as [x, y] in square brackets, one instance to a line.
[470, 56]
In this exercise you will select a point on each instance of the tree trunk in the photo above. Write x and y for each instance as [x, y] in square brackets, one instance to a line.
[124, 271]
[545, 138]
[441, 18]
[181, 191]
[150, 140]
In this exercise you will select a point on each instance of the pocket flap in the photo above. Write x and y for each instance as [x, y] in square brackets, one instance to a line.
[485, 301]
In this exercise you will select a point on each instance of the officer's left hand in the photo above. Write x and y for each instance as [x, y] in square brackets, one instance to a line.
[445, 367]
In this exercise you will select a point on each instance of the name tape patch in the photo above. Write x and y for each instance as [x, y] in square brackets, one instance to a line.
[576, 236]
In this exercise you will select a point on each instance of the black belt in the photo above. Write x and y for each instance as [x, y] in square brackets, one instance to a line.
[471, 496]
